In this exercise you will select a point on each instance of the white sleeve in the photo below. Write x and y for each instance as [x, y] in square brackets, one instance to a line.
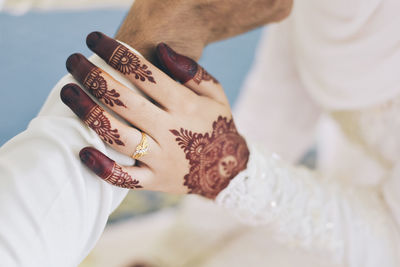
[52, 208]
[273, 95]
[351, 226]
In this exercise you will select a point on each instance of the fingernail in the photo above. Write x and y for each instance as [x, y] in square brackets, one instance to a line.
[79, 66]
[69, 93]
[72, 61]
[86, 157]
[77, 100]
[93, 38]
[179, 67]
[97, 161]
[165, 49]
[102, 45]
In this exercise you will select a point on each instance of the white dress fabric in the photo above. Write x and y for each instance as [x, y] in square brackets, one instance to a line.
[342, 55]
[320, 77]
[52, 208]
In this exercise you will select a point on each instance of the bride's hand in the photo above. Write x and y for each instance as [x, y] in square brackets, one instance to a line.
[192, 143]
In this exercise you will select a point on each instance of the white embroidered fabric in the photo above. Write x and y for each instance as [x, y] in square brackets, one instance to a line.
[308, 212]
[325, 216]
[349, 210]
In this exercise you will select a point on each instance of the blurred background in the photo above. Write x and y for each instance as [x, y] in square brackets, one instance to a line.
[36, 37]
[35, 45]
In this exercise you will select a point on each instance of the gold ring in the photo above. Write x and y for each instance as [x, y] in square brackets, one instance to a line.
[142, 148]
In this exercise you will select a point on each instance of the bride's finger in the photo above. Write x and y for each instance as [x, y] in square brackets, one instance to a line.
[191, 74]
[133, 107]
[118, 135]
[115, 174]
[144, 75]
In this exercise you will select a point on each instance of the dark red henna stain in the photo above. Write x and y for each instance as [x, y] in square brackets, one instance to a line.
[107, 169]
[118, 56]
[97, 86]
[97, 162]
[91, 113]
[74, 97]
[214, 158]
[79, 66]
[122, 179]
[90, 76]
[181, 67]
[102, 126]
[127, 62]
[102, 45]
[203, 75]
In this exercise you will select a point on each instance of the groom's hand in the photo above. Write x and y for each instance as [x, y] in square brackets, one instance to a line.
[189, 25]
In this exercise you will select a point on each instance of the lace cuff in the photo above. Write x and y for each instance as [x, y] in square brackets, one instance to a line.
[303, 210]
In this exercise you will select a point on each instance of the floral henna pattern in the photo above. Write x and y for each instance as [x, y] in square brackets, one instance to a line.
[122, 179]
[203, 75]
[127, 62]
[102, 126]
[214, 158]
[97, 86]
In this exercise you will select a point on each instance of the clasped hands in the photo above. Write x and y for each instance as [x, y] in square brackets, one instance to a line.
[192, 143]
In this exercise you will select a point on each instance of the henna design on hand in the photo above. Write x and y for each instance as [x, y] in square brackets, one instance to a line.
[90, 76]
[91, 113]
[214, 158]
[107, 169]
[102, 126]
[118, 56]
[127, 62]
[122, 179]
[181, 67]
[203, 75]
[97, 86]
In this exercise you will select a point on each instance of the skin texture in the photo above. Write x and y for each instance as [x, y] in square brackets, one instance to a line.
[194, 149]
[189, 25]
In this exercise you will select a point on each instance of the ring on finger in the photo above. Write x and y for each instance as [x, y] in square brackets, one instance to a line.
[142, 148]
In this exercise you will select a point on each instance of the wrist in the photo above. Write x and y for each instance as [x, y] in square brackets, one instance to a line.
[149, 23]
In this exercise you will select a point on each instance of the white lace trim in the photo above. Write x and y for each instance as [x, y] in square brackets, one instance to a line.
[300, 208]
